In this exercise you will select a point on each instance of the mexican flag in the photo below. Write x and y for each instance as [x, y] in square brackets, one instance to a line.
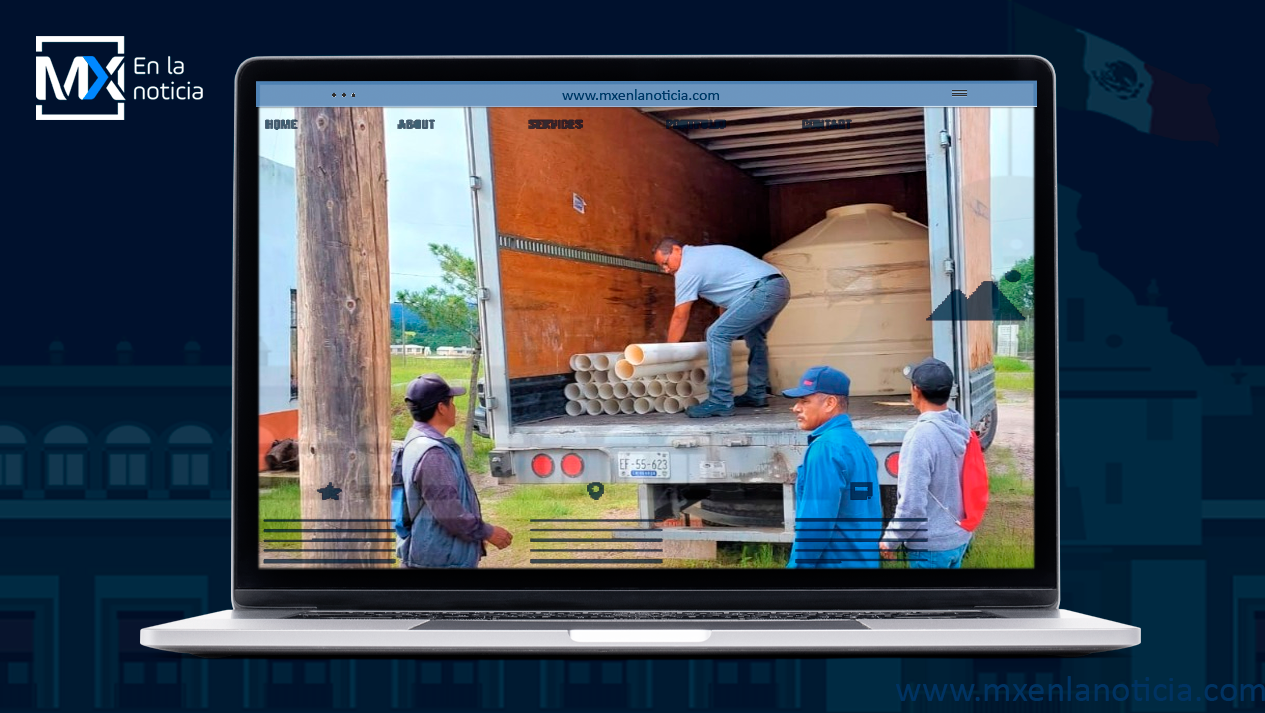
[1093, 74]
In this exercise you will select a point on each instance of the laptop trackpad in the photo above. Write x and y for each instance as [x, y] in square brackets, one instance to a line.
[640, 636]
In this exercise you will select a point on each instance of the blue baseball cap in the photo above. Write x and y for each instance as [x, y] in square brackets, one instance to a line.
[821, 380]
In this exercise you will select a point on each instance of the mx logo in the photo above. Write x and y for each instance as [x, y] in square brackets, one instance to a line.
[85, 79]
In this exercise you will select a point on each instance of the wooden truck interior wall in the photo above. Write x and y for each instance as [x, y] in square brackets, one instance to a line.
[795, 207]
[975, 224]
[639, 182]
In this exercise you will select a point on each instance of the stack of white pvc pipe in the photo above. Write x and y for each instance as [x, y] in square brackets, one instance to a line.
[646, 378]
[595, 389]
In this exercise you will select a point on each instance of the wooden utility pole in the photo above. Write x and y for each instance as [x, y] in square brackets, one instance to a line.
[344, 333]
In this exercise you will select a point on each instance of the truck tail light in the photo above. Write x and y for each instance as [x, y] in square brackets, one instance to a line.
[572, 465]
[542, 465]
[892, 463]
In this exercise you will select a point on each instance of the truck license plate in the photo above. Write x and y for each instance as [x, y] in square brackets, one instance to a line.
[651, 464]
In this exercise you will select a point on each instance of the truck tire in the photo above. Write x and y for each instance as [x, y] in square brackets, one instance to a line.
[987, 429]
[742, 506]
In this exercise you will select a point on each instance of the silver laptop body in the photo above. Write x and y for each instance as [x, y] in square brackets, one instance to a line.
[296, 607]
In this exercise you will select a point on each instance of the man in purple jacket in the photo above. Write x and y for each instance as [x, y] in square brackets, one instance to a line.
[448, 528]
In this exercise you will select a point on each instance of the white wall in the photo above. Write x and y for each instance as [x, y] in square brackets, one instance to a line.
[278, 274]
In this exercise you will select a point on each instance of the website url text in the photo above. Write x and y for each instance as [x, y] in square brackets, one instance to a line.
[1083, 692]
[639, 96]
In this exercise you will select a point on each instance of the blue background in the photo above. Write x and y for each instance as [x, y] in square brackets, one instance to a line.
[121, 232]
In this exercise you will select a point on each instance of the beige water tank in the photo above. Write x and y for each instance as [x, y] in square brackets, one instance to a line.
[860, 297]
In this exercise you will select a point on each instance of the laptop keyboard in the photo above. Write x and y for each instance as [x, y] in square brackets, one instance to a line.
[644, 615]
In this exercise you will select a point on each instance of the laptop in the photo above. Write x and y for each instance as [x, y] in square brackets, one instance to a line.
[487, 235]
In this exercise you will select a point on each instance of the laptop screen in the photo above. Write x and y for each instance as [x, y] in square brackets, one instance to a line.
[646, 325]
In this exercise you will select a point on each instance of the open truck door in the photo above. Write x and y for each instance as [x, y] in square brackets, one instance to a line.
[962, 290]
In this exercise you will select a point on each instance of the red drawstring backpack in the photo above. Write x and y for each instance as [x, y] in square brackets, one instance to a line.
[974, 486]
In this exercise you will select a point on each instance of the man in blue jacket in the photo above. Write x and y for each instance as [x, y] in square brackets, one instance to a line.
[838, 518]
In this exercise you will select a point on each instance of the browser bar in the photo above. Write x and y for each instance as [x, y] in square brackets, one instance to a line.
[650, 93]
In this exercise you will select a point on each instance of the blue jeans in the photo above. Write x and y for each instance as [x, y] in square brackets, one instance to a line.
[937, 559]
[749, 318]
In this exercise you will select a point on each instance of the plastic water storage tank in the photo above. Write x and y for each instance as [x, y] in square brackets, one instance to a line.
[860, 298]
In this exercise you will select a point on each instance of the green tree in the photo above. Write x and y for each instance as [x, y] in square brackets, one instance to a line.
[1019, 291]
[452, 308]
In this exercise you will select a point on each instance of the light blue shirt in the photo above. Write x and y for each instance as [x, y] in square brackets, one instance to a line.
[718, 273]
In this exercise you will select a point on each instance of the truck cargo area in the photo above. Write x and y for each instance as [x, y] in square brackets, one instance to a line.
[883, 413]
[578, 213]
[568, 220]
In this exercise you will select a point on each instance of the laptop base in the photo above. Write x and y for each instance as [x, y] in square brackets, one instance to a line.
[1012, 632]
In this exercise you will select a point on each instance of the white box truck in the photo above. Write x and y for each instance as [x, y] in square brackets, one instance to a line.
[566, 220]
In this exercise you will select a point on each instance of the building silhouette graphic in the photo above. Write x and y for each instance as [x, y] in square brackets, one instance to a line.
[114, 515]
[1121, 364]
[114, 500]
[986, 304]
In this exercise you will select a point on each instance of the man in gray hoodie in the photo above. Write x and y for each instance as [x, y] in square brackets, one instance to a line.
[929, 485]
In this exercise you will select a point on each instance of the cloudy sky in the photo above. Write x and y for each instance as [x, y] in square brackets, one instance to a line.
[428, 195]
[1011, 156]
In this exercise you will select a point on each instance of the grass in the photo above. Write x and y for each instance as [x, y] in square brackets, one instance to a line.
[404, 369]
[1005, 538]
[1012, 378]
[282, 503]
[743, 555]
[515, 507]
[1005, 363]
[1006, 552]
[1004, 474]
[454, 371]
[755, 555]
[539, 502]
[1014, 381]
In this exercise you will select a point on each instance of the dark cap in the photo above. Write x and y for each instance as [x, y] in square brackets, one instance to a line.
[430, 389]
[930, 374]
[821, 380]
